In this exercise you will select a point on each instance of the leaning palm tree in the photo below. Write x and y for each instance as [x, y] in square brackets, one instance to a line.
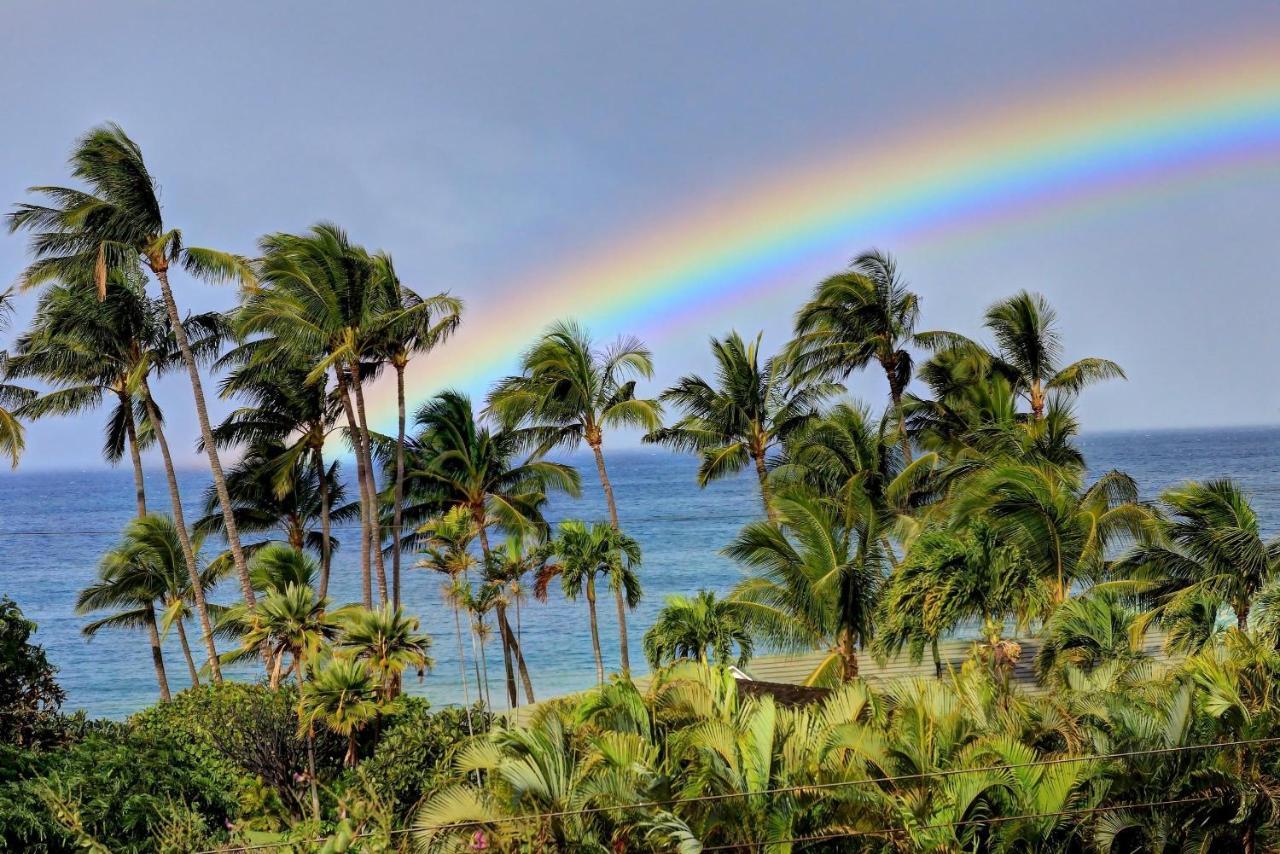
[131, 584]
[1030, 347]
[12, 440]
[91, 348]
[116, 223]
[570, 392]
[414, 325]
[456, 462]
[855, 317]
[323, 301]
[581, 553]
[387, 642]
[698, 627]
[1207, 544]
[744, 417]
[505, 569]
[344, 695]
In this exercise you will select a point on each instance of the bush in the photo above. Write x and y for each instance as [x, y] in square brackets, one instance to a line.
[415, 753]
[251, 733]
[119, 787]
[29, 694]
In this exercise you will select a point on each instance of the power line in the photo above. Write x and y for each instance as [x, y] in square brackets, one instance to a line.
[826, 786]
[894, 831]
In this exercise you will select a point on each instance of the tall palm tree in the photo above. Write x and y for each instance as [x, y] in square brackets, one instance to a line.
[1207, 543]
[581, 554]
[89, 348]
[455, 462]
[324, 300]
[1029, 346]
[570, 392]
[387, 642]
[344, 695]
[12, 440]
[698, 627]
[1065, 528]
[116, 223]
[414, 325]
[867, 313]
[816, 581]
[743, 417]
[505, 569]
[281, 407]
[446, 548]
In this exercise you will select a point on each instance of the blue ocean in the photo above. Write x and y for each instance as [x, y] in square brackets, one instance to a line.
[52, 524]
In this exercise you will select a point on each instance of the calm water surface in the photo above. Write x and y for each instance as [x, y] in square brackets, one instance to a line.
[680, 527]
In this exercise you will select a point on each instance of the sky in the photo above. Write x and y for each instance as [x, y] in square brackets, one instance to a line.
[491, 147]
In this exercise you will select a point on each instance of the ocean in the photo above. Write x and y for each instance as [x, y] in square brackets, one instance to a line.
[46, 557]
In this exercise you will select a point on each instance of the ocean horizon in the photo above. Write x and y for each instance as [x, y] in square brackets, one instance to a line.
[55, 524]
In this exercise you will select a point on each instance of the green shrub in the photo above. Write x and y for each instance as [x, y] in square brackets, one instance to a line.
[416, 750]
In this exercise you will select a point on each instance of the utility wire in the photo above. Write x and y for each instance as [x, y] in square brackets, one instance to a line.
[533, 817]
[999, 819]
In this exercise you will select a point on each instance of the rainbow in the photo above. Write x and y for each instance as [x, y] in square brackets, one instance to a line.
[1135, 130]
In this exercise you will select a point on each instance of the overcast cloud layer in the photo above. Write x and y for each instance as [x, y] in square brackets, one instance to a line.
[481, 143]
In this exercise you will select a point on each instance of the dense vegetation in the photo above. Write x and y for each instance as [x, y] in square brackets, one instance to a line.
[962, 505]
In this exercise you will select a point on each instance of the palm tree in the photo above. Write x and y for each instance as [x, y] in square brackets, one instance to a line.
[744, 417]
[288, 502]
[387, 642]
[131, 582]
[11, 396]
[446, 549]
[570, 391]
[414, 326]
[1083, 633]
[344, 695]
[1206, 544]
[582, 553]
[154, 540]
[276, 566]
[455, 462]
[692, 627]
[950, 576]
[88, 348]
[117, 223]
[1029, 348]
[282, 408]
[867, 313]
[816, 581]
[323, 301]
[505, 569]
[1063, 527]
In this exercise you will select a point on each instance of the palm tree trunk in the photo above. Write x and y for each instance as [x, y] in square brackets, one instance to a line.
[157, 656]
[186, 653]
[617, 593]
[514, 643]
[595, 630]
[206, 434]
[135, 454]
[1037, 399]
[903, 438]
[326, 545]
[311, 742]
[848, 656]
[484, 672]
[374, 517]
[937, 658]
[184, 539]
[397, 512]
[366, 577]
[513, 696]
[1242, 616]
[763, 474]
[462, 667]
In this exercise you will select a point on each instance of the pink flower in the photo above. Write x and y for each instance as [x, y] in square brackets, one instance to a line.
[479, 842]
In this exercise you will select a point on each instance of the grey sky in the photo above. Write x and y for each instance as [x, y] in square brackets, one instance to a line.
[483, 142]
